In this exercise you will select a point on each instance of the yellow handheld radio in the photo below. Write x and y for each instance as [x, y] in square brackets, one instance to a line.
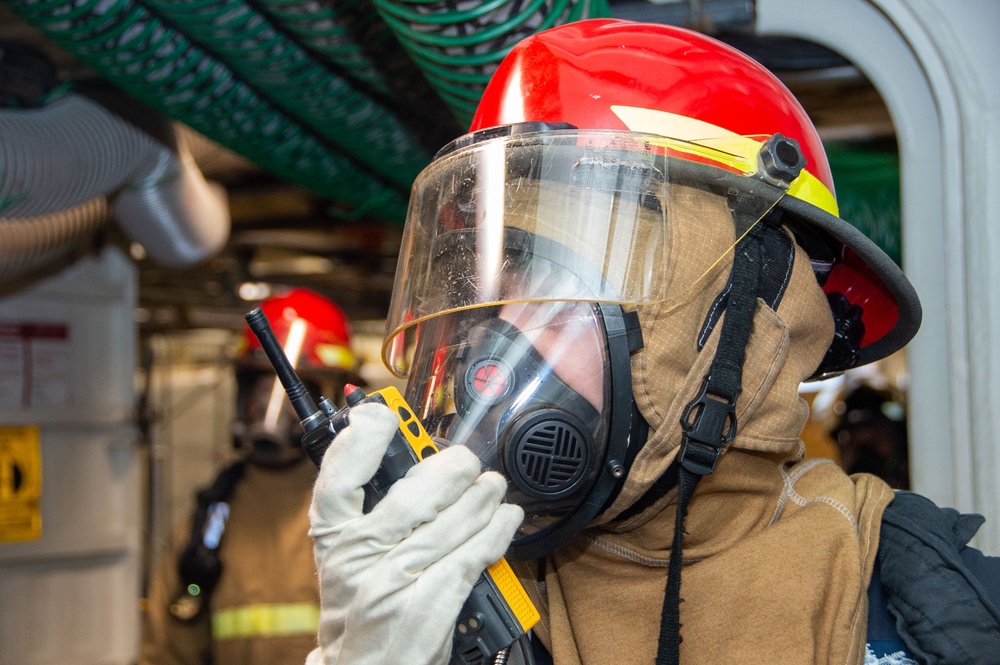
[498, 611]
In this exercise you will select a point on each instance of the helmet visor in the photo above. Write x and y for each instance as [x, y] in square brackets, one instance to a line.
[559, 216]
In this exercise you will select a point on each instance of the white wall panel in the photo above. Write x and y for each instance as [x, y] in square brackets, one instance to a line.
[71, 596]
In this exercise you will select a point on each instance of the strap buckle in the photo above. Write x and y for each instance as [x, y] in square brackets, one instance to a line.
[709, 424]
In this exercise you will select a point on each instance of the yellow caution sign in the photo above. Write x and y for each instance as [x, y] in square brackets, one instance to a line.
[20, 484]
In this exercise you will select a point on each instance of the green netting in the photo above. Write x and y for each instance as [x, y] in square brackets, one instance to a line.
[867, 180]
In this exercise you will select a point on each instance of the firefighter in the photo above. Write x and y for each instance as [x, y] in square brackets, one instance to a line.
[607, 297]
[240, 587]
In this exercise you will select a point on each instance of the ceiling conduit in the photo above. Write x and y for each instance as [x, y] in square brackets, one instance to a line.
[133, 47]
[30, 245]
[334, 30]
[60, 162]
[289, 77]
[288, 85]
[353, 39]
[458, 45]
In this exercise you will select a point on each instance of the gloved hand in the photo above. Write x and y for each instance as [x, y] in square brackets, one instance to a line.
[392, 582]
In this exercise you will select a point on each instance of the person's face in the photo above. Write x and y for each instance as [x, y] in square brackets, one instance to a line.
[564, 335]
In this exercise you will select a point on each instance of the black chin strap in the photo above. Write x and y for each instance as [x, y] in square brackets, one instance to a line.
[709, 421]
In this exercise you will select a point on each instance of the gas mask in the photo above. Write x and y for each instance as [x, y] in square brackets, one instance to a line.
[542, 394]
[516, 413]
[267, 429]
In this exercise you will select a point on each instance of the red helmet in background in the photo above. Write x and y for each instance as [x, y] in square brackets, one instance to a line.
[313, 331]
[316, 337]
[617, 75]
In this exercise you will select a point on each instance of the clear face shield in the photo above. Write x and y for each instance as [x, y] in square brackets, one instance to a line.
[516, 252]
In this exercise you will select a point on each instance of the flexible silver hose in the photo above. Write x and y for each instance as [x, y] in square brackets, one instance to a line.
[173, 212]
[74, 150]
[28, 244]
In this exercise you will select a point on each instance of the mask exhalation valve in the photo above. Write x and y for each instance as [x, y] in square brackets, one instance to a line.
[549, 453]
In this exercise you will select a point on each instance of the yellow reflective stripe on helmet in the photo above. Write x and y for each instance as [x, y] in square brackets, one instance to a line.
[696, 137]
[336, 355]
[809, 188]
[265, 620]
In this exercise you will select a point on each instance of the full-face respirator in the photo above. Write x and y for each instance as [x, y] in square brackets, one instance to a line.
[519, 416]
[266, 430]
[541, 392]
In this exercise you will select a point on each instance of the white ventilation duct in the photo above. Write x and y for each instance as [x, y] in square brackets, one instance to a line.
[29, 245]
[55, 161]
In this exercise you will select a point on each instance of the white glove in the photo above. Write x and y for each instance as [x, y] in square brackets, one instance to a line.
[392, 582]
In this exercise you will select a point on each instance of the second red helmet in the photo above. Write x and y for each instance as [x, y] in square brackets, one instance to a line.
[313, 331]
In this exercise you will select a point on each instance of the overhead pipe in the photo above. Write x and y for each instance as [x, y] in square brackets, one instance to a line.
[458, 46]
[344, 33]
[294, 80]
[203, 68]
[154, 62]
[30, 245]
[351, 37]
[61, 160]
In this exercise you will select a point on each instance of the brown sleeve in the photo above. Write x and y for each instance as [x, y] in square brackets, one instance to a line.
[165, 639]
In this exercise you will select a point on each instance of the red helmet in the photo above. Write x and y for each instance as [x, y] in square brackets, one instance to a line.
[312, 330]
[656, 79]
